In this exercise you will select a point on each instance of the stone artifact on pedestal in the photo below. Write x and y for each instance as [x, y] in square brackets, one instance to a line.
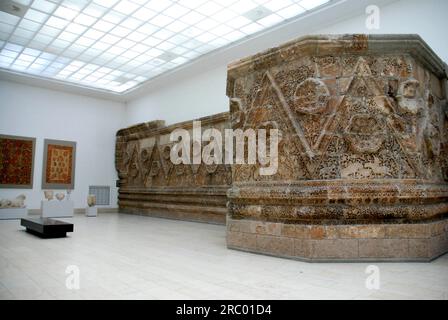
[18, 202]
[60, 196]
[91, 210]
[13, 208]
[91, 200]
[151, 184]
[363, 156]
[60, 208]
[49, 195]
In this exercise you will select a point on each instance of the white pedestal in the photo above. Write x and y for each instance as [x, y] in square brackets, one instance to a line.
[91, 211]
[13, 213]
[57, 209]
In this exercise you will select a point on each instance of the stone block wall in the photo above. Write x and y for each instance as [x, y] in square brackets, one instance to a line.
[309, 242]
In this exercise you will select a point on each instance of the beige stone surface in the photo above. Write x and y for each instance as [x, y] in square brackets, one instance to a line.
[335, 249]
[275, 245]
[383, 248]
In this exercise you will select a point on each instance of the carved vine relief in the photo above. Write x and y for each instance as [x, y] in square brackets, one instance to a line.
[346, 117]
[145, 165]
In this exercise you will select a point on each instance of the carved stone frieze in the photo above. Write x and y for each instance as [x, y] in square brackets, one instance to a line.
[151, 184]
[363, 136]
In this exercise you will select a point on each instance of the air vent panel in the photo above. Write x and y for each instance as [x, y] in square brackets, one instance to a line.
[102, 194]
[14, 8]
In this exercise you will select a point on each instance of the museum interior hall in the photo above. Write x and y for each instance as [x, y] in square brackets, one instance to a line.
[223, 150]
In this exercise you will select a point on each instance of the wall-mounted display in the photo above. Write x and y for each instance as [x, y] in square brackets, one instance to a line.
[16, 161]
[59, 164]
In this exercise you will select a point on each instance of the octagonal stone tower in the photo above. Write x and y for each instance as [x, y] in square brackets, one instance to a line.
[363, 155]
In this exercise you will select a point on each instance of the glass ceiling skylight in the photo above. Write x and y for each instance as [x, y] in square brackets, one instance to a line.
[115, 45]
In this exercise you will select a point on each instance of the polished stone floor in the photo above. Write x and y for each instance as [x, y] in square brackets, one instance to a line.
[132, 257]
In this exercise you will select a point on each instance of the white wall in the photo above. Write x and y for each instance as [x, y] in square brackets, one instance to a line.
[42, 113]
[203, 93]
[195, 97]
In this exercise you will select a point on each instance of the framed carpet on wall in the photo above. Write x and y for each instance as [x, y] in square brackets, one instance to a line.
[16, 161]
[59, 164]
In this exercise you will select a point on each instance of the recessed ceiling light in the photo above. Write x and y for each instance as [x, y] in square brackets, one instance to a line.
[291, 11]
[270, 20]
[94, 10]
[84, 41]
[108, 38]
[114, 17]
[32, 52]
[75, 28]
[43, 5]
[257, 13]
[68, 36]
[65, 13]
[311, 4]
[176, 11]
[126, 7]
[158, 5]
[9, 53]
[104, 26]
[34, 15]
[85, 19]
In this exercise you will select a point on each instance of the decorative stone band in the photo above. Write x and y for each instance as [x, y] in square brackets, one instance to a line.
[333, 45]
[200, 204]
[339, 201]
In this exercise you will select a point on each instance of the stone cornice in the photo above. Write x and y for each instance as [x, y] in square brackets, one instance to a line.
[158, 127]
[358, 44]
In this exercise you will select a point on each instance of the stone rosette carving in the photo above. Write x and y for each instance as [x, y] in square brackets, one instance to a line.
[311, 97]
[365, 134]
[364, 142]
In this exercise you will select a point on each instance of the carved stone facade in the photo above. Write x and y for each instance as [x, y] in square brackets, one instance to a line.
[363, 155]
[151, 184]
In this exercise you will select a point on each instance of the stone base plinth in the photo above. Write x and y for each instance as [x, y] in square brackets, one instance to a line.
[199, 205]
[13, 213]
[421, 242]
[217, 216]
[57, 209]
[91, 211]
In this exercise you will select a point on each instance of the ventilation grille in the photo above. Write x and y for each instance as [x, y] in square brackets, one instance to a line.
[13, 8]
[102, 194]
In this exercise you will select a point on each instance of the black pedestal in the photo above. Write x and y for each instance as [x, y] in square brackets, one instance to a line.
[46, 227]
